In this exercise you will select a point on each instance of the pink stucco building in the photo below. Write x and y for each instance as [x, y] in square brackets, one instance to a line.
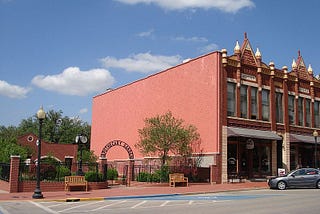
[252, 117]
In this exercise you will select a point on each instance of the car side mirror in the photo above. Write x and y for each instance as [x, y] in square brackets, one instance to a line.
[293, 176]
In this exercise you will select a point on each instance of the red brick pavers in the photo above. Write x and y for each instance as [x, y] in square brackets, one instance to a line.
[136, 189]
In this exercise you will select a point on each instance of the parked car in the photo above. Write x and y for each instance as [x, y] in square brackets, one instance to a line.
[304, 177]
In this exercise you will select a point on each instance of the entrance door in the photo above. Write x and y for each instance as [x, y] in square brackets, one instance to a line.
[261, 160]
[255, 162]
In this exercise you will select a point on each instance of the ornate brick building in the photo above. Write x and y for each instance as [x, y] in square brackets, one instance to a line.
[253, 118]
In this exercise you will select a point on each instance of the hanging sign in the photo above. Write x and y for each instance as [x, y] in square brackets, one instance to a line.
[250, 144]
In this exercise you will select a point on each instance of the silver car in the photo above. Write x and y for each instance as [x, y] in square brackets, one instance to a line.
[304, 177]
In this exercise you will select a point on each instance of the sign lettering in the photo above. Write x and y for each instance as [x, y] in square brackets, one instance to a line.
[117, 143]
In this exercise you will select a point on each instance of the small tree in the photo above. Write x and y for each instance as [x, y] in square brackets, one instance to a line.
[165, 134]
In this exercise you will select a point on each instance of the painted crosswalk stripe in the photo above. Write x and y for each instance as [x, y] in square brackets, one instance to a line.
[142, 202]
[164, 204]
[109, 205]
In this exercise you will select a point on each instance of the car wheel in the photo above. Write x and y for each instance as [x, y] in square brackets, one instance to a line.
[318, 184]
[281, 185]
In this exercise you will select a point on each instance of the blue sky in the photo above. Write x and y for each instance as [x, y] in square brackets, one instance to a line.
[61, 53]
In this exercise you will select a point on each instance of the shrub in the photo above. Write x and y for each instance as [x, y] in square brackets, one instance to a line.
[112, 174]
[62, 171]
[161, 175]
[93, 176]
[144, 177]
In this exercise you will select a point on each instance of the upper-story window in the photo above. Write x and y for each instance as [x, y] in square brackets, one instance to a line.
[308, 113]
[244, 101]
[265, 105]
[231, 99]
[279, 108]
[316, 114]
[291, 109]
[254, 103]
[300, 112]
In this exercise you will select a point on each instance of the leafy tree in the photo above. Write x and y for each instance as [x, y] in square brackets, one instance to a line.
[9, 147]
[56, 128]
[88, 156]
[165, 134]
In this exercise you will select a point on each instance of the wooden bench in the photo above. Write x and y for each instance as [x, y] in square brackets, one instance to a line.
[70, 181]
[177, 178]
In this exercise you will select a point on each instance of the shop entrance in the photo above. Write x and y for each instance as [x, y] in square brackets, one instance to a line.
[250, 158]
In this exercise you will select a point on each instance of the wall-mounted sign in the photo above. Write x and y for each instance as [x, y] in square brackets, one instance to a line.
[248, 77]
[304, 90]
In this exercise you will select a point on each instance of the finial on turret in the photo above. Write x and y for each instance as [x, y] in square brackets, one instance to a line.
[258, 54]
[294, 64]
[237, 48]
[310, 70]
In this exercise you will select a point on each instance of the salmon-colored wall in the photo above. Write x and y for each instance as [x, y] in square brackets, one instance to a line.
[190, 91]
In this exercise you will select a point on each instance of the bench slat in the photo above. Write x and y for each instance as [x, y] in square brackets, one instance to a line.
[75, 181]
[177, 178]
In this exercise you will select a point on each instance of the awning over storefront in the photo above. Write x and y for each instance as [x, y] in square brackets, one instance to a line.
[301, 138]
[252, 133]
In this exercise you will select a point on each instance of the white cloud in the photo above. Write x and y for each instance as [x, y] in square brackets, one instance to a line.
[230, 6]
[73, 81]
[209, 48]
[146, 33]
[13, 91]
[142, 62]
[191, 39]
[83, 111]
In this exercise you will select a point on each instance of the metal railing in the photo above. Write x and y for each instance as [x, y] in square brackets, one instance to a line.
[4, 171]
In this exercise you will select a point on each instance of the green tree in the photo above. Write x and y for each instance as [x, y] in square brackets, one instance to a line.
[9, 147]
[56, 128]
[165, 134]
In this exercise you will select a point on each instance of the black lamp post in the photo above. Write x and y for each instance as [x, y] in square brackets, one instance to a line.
[41, 114]
[315, 135]
[81, 140]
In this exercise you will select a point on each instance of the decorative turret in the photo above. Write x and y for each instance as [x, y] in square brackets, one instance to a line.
[271, 65]
[310, 71]
[258, 54]
[224, 56]
[237, 48]
[285, 71]
[294, 64]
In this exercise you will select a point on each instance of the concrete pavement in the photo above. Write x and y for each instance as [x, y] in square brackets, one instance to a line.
[136, 189]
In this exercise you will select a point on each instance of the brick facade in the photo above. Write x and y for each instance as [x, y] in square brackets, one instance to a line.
[58, 151]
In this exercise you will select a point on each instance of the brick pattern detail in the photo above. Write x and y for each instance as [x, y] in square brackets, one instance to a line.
[14, 174]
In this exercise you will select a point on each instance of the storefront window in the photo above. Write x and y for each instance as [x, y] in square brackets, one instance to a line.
[279, 108]
[262, 160]
[254, 101]
[265, 105]
[308, 118]
[316, 114]
[243, 101]
[300, 111]
[231, 98]
[291, 109]
[232, 158]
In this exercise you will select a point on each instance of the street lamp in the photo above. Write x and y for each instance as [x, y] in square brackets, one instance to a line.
[81, 139]
[41, 114]
[315, 135]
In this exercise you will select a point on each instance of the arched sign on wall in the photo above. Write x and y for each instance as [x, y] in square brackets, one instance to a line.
[117, 143]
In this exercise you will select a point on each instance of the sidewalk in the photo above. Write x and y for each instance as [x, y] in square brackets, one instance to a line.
[135, 190]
